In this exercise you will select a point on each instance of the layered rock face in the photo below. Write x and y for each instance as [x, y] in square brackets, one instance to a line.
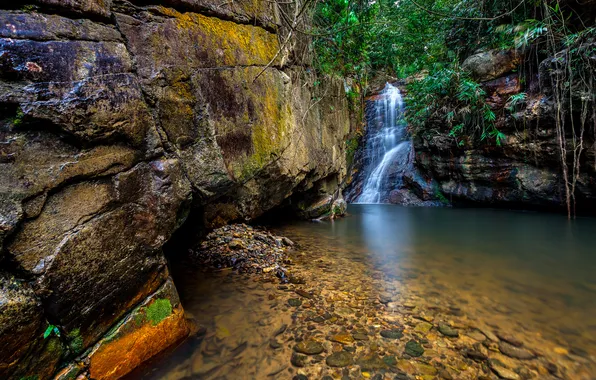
[117, 118]
[525, 172]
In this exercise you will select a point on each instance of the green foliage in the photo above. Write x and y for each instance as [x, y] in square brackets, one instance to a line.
[159, 310]
[17, 120]
[51, 329]
[352, 145]
[29, 8]
[448, 97]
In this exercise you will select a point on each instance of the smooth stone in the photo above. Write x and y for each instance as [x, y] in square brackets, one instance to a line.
[295, 302]
[390, 361]
[489, 334]
[309, 347]
[444, 374]
[401, 376]
[475, 355]
[423, 327]
[342, 338]
[448, 331]
[510, 339]
[304, 293]
[274, 344]
[378, 376]
[515, 352]
[505, 373]
[425, 369]
[280, 330]
[339, 359]
[358, 336]
[371, 362]
[476, 335]
[298, 360]
[392, 334]
[414, 349]
[385, 298]
[406, 366]
[300, 377]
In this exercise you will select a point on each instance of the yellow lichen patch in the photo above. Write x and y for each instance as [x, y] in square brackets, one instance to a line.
[118, 357]
[225, 43]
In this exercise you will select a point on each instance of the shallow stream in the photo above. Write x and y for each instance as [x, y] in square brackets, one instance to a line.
[386, 276]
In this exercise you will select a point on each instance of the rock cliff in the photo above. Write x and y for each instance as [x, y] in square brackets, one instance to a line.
[116, 119]
[525, 171]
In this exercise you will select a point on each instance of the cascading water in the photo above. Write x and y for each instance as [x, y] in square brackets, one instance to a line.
[388, 148]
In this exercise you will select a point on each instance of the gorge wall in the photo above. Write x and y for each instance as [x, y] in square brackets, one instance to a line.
[116, 119]
[525, 171]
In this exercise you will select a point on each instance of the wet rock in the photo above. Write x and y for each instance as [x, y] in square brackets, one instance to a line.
[342, 338]
[406, 366]
[475, 355]
[392, 334]
[298, 360]
[309, 347]
[505, 373]
[385, 298]
[300, 377]
[423, 327]
[304, 293]
[510, 339]
[489, 334]
[401, 376]
[448, 331]
[24, 351]
[287, 241]
[360, 336]
[476, 335]
[425, 369]
[236, 244]
[390, 360]
[295, 302]
[241, 248]
[515, 352]
[414, 348]
[339, 359]
[371, 362]
[280, 330]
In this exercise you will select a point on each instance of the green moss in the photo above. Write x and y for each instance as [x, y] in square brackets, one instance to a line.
[18, 119]
[75, 341]
[32, 377]
[159, 310]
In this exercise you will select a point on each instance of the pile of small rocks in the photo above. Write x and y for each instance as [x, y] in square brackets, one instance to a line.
[244, 249]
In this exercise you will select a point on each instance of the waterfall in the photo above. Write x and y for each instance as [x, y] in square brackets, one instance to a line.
[388, 147]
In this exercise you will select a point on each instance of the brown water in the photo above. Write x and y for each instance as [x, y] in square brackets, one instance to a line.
[530, 278]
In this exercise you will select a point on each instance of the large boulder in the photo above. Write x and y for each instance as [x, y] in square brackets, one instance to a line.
[24, 351]
[489, 65]
[102, 238]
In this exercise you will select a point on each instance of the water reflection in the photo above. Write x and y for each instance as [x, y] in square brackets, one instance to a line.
[528, 275]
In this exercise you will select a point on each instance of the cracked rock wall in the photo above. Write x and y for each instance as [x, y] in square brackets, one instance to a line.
[116, 118]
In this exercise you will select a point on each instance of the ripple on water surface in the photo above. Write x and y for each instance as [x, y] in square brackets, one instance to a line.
[398, 292]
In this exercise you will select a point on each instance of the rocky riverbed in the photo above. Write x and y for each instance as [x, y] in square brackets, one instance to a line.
[343, 317]
[244, 249]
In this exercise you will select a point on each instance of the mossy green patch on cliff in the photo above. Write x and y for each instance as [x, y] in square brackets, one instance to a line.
[75, 341]
[159, 310]
[234, 44]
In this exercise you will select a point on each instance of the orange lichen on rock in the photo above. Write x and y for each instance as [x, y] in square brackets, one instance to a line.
[118, 357]
[148, 330]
